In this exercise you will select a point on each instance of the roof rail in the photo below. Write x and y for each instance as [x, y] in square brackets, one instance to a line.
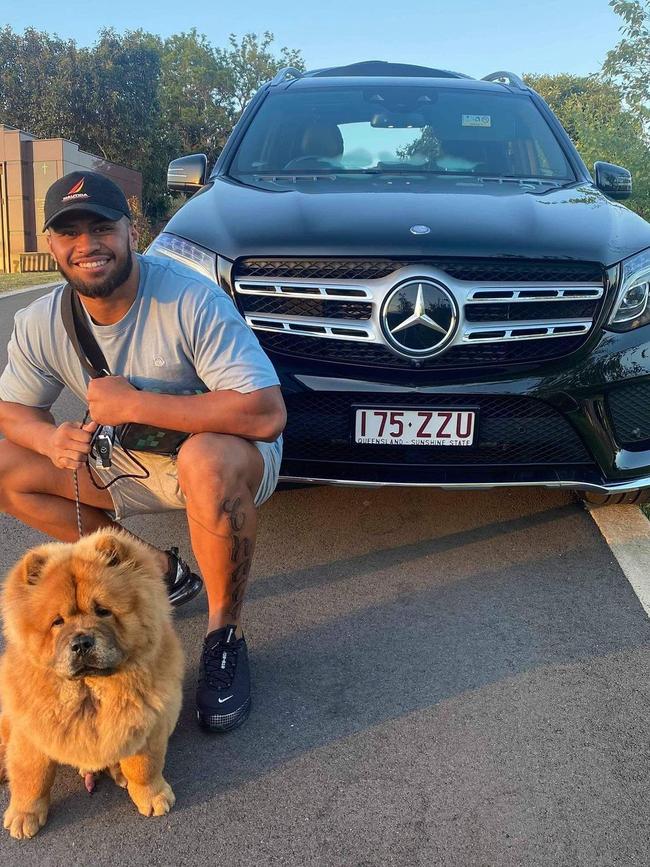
[505, 78]
[287, 73]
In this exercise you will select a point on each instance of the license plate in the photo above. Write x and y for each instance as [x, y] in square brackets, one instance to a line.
[415, 427]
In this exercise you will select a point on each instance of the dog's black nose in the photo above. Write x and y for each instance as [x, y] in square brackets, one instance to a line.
[82, 643]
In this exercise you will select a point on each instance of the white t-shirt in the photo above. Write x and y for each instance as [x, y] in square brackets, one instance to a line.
[182, 335]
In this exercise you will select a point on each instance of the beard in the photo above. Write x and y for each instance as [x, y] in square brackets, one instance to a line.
[101, 290]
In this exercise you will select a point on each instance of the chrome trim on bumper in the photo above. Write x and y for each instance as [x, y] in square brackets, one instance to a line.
[614, 488]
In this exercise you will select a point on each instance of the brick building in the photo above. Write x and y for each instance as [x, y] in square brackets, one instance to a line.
[27, 168]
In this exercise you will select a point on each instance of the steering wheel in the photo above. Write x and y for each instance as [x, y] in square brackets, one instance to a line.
[309, 162]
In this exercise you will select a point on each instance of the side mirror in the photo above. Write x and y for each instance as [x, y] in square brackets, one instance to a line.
[187, 174]
[614, 181]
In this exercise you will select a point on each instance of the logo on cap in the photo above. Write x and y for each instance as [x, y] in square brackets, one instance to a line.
[76, 192]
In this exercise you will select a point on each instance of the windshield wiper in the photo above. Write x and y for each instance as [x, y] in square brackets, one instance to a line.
[522, 182]
[395, 170]
[333, 174]
[292, 177]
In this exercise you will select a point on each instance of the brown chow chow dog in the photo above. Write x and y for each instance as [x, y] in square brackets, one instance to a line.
[91, 674]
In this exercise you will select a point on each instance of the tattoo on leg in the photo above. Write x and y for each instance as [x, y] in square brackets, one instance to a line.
[235, 513]
[240, 556]
[240, 548]
[238, 588]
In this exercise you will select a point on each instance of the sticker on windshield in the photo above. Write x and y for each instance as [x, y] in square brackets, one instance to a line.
[477, 120]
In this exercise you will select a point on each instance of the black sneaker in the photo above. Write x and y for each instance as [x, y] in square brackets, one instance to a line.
[182, 584]
[223, 694]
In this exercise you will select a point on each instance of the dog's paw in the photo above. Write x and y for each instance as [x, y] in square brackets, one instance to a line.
[116, 773]
[24, 825]
[151, 803]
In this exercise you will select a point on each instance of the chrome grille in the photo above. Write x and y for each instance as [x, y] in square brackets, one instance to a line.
[495, 312]
[492, 312]
[308, 307]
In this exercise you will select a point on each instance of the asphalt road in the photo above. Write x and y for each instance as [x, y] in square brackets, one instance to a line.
[439, 679]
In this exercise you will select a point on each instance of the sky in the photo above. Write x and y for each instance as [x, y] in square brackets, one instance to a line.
[471, 36]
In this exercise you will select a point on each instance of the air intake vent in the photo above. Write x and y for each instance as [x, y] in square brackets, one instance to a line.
[477, 270]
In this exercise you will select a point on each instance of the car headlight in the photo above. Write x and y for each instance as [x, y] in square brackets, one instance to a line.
[632, 308]
[198, 258]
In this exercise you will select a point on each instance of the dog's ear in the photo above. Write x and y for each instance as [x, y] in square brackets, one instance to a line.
[32, 567]
[113, 548]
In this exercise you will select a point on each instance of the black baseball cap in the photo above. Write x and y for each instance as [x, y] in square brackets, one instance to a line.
[85, 191]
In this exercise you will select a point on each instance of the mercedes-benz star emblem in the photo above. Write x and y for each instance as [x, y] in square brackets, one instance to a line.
[419, 318]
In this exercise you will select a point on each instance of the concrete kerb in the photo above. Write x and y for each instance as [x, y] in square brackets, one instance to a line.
[627, 532]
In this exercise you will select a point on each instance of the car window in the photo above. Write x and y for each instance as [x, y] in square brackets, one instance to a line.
[436, 130]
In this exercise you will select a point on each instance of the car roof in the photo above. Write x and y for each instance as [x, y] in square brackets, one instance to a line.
[369, 73]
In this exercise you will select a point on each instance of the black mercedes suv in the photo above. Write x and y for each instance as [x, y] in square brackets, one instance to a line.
[447, 294]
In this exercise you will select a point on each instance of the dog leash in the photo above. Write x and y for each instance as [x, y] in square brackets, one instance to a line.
[89, 778]
[77, 503]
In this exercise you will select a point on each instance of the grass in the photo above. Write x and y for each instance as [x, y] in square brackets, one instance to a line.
[21, 281]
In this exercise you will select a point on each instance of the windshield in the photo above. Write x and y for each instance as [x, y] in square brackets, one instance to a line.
[433, 130]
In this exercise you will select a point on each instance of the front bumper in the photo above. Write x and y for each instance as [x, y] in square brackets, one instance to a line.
[579, 485]
[582, 422]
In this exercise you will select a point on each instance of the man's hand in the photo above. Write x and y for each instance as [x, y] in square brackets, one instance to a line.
[69, 444]
[109, 399]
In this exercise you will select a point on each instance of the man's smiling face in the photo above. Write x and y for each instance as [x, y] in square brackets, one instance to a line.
[95, 255]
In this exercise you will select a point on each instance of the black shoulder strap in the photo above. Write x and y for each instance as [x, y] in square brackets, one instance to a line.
[81, 337]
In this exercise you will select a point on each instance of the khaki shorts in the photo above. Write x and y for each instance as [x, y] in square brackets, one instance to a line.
[160, 492]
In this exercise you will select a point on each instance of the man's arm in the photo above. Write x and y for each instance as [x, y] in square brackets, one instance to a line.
[66, 445]
[26, 426]
[257, 415]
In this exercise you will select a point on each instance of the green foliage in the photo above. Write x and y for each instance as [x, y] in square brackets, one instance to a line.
[628, 64]
[193, 95]
[120, 110]
[33, 68]
[427, 147]
[601, 127]
[134, 98]
[248, 63]
[141, 224]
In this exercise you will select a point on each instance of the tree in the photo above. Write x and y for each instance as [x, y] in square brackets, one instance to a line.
[38, 73]
[105, 98]
[248, 63]
[134, 98]
[601, 127]
[193, 94]
[204, 89]
[119, 95]
[628, 64]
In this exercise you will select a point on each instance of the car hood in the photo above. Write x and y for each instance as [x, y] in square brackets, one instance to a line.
[491, 220]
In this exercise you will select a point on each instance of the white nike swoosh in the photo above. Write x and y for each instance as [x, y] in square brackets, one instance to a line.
[221, 700]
